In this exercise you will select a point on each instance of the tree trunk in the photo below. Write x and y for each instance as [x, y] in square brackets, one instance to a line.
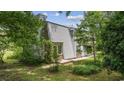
[94, 49]
[94, 52]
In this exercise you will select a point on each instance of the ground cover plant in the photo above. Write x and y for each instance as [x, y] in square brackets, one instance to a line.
[16, 71]
[85, 69]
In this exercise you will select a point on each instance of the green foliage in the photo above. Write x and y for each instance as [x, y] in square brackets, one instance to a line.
[90, 27]
[31, 61]
[43, 52]
[2, 51]
[88, 32]
[51, 55]
[29, 57]
[113, 64]
[67, 12]
[113, 42]
[88, 49]
[14, 53]
[19, 72]
[3, 47]
[85, 69]
[54, 68]
[50, 52]
[20, 28]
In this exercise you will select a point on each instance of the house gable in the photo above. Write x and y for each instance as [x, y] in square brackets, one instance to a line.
[59, 33]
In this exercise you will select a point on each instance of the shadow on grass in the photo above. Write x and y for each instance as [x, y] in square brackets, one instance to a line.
[19, 72]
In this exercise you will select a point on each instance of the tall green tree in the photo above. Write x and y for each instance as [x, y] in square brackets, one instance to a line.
[20, 28]
[89, 30]
[113, 41]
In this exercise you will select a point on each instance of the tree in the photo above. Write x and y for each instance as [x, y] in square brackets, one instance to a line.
[20, 28]
[88, 32]
[113, 42]
[4, 43]
[3, 46]
[67, 13]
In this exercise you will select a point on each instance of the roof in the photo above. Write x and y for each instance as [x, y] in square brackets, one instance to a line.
[60, 25]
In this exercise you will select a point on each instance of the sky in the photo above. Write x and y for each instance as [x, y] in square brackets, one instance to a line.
[53, 16]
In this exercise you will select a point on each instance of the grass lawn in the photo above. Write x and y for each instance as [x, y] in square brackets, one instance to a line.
[16, 71]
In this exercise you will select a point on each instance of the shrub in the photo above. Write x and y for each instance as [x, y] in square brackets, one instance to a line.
[46, 53]
[89, 62]
[85, 69]
[54, 68]
[113, 42]
[31, 61]
[29, 58]
[55, 54]
[112, 63]
[50, 54]
[14, 53]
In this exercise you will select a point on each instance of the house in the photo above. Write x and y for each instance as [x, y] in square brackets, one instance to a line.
[64, 37]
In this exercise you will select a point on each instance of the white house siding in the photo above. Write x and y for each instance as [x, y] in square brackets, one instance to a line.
[58, 33]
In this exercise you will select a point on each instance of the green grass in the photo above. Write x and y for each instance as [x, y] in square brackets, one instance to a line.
[14, 71]
[20, 72]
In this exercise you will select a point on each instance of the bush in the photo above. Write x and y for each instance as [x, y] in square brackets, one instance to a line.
[50, 52]
[113, 63]
[29, 58]
[48, 49]
[54, 68]
[33, 55]
[85, 69]
[31, 61]
[89, 61]
[14, 53]
[113, 42]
